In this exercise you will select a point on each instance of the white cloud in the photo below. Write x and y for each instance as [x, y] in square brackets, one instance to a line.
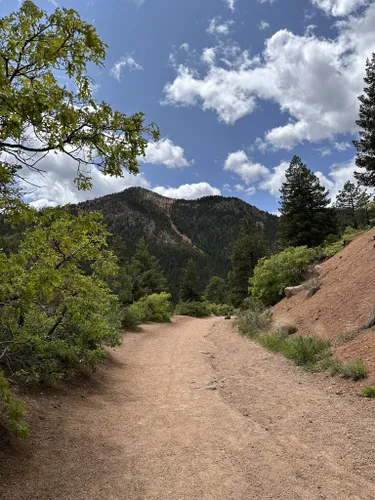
[185, 46]
[188, 191]
[275, 179]
[215, 28]
[209, 56]
[164, 152]
[126, 61]
[230, 4]
[324, 151]
[271, 180]
[248, 171]
[314, 80]
[56, 186]
[263, 25]
[342, 146]
[266, 1]
[241, 189]
[340, 8]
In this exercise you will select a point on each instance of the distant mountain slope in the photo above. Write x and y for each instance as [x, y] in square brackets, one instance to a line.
[176, 230]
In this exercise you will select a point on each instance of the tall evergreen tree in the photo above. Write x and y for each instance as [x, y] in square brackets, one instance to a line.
[250, 246]
[305, 216]
[189, 284]
[216, 291]
[146, 273]
[366, 144]
[365, 208]
[347, 203]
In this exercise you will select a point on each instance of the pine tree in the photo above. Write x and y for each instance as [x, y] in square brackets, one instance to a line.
[366, 144]
[216, 291]
[189, 284]
[250, 246]
[146, 273]
[305, 216]
[364, 208]
[347, 203]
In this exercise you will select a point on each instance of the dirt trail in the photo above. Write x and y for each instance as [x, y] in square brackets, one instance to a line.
[192, 411]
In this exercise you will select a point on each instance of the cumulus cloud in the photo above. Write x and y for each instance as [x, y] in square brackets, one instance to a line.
[315, 80]
[217, 28]
[263, 25]
[258, 177]
[121, 64]
[56, 186]
[248, 171]
[164, 152]
[188, 191]
[340, 8]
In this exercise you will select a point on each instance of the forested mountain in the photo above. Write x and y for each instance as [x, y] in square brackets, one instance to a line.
[177, 230]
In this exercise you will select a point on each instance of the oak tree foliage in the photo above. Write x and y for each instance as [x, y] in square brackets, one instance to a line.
[40, 115]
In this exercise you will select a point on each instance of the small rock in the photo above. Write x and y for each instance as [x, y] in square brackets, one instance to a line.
[339, 392]
[206, 353]
[211, 388]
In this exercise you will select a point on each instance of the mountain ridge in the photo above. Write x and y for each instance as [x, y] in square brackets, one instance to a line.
[177, 229]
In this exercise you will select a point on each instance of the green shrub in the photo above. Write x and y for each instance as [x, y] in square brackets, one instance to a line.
[306, 350]
[12, 410]
[155, 307]
[193, 308]
[273, 274]
[333, 246]
[57, 309]
[355, 370]
[132, 317]
[369, 391]
[220, 309]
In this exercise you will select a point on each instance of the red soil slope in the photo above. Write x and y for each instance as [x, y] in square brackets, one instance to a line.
[345, 299]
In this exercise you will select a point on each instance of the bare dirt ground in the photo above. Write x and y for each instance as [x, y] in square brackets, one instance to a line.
[192, 411]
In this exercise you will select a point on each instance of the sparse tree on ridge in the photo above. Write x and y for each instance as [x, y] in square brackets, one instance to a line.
[305, 218]
[366, 144]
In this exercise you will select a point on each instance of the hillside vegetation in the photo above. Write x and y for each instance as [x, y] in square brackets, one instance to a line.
[178, 230]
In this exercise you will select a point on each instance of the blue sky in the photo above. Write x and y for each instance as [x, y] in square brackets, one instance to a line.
[236, 86]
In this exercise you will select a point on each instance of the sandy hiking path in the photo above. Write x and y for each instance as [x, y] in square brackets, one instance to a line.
[192, 411]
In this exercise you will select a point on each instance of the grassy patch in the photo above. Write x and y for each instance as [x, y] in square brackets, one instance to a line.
[368, 392]
[312, 353]
[306, 350]
[355, 370]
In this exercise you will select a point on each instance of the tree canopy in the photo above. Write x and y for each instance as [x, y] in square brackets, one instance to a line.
[250, 246]
[189, 283]
[305, 216]
[39, 115]
[366, 144]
